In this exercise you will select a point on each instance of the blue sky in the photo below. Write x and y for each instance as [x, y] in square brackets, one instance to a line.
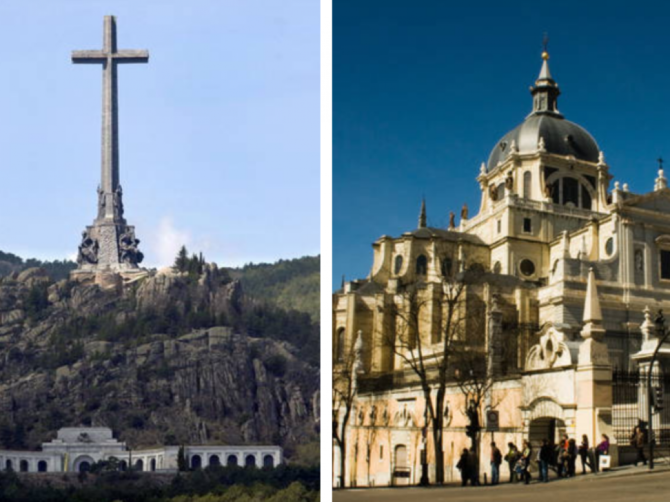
[423, 90]
[219, 133]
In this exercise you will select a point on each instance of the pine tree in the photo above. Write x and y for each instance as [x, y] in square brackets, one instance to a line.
[181, 263]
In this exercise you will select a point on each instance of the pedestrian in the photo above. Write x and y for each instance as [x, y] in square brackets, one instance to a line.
[545, 458]
[583, 453]
[638, 440]
[511, 458]
[463, 465]
[572, 457]
[603, 448]
[496, 460]
[525, 457]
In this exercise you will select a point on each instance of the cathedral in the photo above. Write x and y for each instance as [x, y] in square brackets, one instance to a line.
[540, 315]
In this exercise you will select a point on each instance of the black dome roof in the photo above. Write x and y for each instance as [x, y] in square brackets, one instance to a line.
[560, 136]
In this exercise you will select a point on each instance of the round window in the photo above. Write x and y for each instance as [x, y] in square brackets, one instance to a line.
[609, 246]
[527, 267]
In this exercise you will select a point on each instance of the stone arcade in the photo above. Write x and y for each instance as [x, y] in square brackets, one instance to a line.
[572, 273]
[109, 245]
[76, 449]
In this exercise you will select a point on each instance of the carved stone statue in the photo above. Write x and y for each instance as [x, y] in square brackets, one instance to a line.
[88, 249]
[128, 248]
[493, 193]
[101, 202]
[118, 203]
[547, 191]
[509, 181]
[452, 220]
[464, 212]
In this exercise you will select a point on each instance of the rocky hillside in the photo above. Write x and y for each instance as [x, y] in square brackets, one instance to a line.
[169, 359]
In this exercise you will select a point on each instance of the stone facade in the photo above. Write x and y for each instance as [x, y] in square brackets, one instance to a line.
[76, 449]
[566, 266]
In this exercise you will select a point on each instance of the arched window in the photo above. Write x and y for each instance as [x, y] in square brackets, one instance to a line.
[268, 461]
[23, 466]
[8, 465]
[196, 462]
[250, 461]
[571, 192]
[421, 265]
[232, 460]
[123, 465]
[42, 466]
[152, 465]
[447, 267]
[527, 177]
[339, 350]
[397, 266]
[214, 461]
[139, 465]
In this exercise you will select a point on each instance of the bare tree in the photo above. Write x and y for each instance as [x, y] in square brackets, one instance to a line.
[345, 387]
[430, 359]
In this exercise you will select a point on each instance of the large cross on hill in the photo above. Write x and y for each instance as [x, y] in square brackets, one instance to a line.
[109, 245]
[110, 57]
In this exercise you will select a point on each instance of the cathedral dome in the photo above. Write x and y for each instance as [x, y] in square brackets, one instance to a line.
[546, 124]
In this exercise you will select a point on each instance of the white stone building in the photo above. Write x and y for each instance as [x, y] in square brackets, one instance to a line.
[76, 449]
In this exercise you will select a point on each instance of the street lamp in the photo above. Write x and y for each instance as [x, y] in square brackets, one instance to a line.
[662, 335]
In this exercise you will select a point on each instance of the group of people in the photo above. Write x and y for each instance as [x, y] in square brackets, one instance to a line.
[561, 457]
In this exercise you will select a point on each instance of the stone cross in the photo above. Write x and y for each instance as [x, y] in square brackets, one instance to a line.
[110, 57]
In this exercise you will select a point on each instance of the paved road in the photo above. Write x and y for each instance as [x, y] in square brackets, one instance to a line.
[642, 487]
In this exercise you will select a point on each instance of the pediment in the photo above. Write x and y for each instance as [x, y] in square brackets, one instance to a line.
[658, 201]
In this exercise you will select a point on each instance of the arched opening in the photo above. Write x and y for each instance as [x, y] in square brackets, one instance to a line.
[397, 267]
[549, 428]
[152, 464]
[401, 469]
[42, 466]
[83, 464]
[421, 265]
[340, 345]
[139, 465]
[8, 465]
[232, 460]
[268, 461]
[196, 462]
[23, 466]
[570, 192]
[123, 465]
[214, 461]
[250, 461]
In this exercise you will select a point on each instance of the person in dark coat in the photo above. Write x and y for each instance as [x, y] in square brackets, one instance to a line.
[464, 465]
[572, 457]
[583, 453]
[496, 460]
[638, 440]
[546, 458]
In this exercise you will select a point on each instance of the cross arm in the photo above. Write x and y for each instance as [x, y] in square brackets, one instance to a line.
[88, 57]
[131, 56]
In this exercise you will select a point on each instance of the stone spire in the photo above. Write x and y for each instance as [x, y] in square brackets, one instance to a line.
[545, 92]
[109, 244]
[422, 214]
[593, 350]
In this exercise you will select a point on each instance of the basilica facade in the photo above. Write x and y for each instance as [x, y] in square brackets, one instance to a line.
[561, 274]
[77, 449]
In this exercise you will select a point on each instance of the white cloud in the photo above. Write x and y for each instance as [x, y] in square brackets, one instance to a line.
[164, 243]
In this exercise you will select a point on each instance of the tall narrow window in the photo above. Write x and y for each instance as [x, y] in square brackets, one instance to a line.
[340, 345]
[665, 264]
[421, 265]
[527, 225]
[397, 267]
[446, 267]
[526, 184]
